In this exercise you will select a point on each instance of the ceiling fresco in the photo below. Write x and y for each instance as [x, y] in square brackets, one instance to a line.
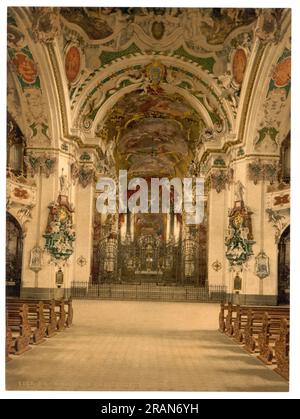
[203, 52]
[152, 133]
[207, 38]
[213, 25]
[91, 20]
[152, 90]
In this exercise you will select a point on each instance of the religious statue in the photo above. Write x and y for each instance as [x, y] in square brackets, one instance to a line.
[239, 191]
[64, 184]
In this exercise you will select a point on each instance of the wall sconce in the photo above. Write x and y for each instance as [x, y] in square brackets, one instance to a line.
[262, 265]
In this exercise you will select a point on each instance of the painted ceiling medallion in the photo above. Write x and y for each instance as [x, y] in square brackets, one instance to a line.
[158, 30]
[25, 67]
[282, 73]
[72, 63]
[239, 65]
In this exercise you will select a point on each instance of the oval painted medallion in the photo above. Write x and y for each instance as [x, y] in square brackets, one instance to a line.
[158, 30]
[25, 67]
[72, 63]
[239, 65]
[282, 73]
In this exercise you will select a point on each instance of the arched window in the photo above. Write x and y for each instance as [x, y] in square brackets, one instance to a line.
[15, 147]
[285, 160]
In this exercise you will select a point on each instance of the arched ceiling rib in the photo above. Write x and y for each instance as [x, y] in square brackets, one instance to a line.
[202, 91]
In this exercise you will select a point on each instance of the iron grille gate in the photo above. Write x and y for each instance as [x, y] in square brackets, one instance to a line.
[147, 291]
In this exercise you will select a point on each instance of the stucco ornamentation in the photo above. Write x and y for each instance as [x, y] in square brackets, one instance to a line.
[83, 173]
[219, 179]
[259, 171]
[60, 233]
[44, 164]
[46, 24]
[239, 239]
[278, 221]
[268, 25]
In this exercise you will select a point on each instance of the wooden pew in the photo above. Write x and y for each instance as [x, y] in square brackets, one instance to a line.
[239, 324]
[55, 314]
[69, 304]
[252, 328]
[263, 328]
[8, 340]
[50, 317]
[230, 318]
[61, 315]
[240, 321]
[269, 334]
[254, 324]
[234, 318]
[49, 313]
[17, 321]
[36, 319]
[222, 317]
[282, 350]
[64, 313]
[237, 321]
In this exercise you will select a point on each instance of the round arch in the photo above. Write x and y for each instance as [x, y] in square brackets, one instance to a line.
[198, 87]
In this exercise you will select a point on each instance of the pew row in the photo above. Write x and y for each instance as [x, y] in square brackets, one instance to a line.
[19, 328]
[282, 350]
[29, 322]
[263, 331]
[58, 313]
[254, 327]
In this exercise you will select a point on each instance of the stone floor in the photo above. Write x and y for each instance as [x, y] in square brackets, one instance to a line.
[143, 346]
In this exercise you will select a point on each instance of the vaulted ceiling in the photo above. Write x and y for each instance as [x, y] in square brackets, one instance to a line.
[150, 88]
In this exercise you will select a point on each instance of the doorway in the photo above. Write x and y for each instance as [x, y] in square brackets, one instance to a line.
[14, 251]
[284, 267]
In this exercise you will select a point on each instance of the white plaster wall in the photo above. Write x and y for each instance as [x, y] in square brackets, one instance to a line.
[217, 203]
[84, 227]
[45, 278]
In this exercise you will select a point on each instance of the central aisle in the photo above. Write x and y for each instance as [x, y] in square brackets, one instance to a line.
[144, 346]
